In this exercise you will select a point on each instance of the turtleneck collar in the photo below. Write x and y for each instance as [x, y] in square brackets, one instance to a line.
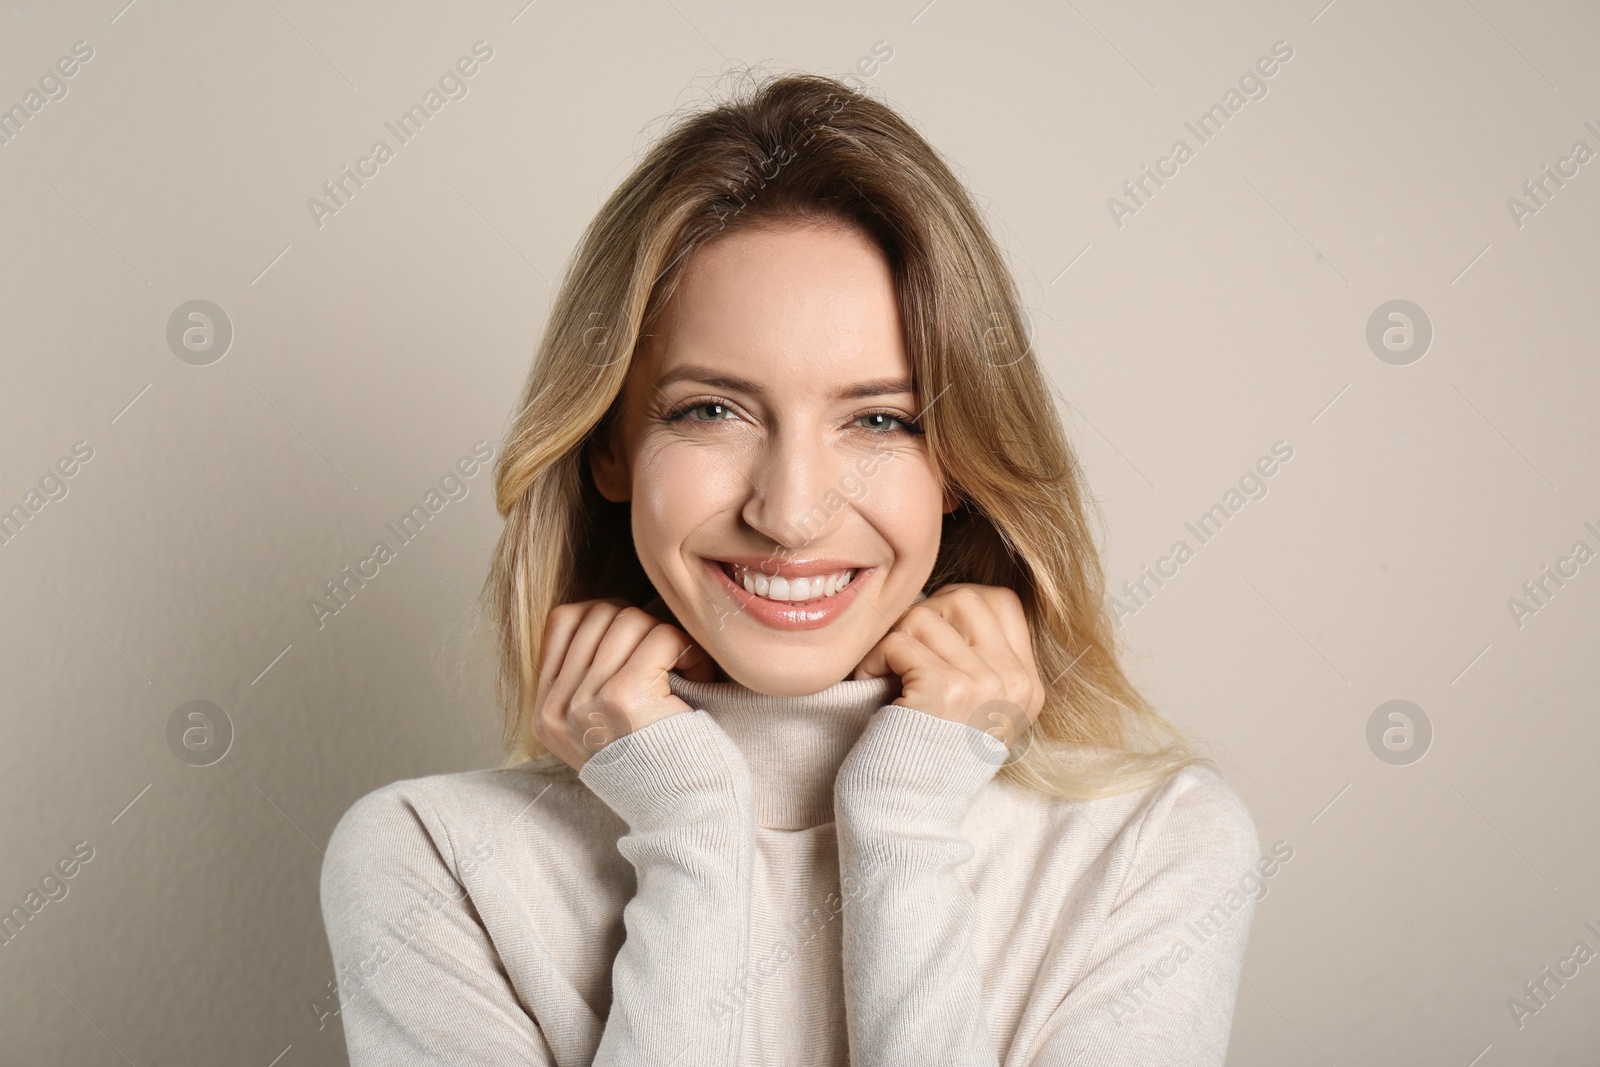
[793, 744]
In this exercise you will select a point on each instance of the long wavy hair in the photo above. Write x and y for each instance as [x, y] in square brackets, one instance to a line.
[808, 148]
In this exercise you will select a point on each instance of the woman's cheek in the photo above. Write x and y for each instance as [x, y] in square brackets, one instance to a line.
[677, 487]
[903, 501]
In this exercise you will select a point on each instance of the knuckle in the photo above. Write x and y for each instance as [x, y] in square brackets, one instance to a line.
[555, 721]
[588, 701]
[536, 728]
[658, 636]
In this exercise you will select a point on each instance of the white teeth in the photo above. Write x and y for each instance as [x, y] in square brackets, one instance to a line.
[790, 589]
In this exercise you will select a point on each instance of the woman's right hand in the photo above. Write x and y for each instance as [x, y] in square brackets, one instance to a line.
[603, 674]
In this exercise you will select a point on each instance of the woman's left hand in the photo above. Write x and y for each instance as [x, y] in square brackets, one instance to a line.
[964, 654]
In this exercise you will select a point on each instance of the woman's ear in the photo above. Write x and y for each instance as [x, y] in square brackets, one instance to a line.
[952, 500]
[609, 467]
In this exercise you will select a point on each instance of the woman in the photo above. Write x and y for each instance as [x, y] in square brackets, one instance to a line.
[829, 758]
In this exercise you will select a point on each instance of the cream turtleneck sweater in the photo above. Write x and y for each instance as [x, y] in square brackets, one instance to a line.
[828, 879]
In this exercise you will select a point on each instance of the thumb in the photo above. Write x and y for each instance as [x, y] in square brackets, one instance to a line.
[876, 662]
[695, 664]
[671, 650]
[874, 665]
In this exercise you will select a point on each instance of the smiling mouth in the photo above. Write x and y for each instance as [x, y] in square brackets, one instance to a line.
[796, 590]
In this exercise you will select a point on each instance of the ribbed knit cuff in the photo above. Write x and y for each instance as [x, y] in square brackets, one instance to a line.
[678, 769]
[912, 767]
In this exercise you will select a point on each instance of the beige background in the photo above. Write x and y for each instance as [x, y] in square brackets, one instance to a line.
[371, 353]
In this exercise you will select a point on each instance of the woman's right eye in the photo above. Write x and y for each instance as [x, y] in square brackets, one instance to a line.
[683, 411]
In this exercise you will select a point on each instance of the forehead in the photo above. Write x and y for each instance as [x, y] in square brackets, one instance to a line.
[801, 304]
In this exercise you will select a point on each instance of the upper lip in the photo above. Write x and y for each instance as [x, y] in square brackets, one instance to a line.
[792, 568]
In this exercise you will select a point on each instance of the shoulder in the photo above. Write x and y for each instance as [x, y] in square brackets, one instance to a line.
[1196, 810]
[432, 829]
[1191, 832]
[1191, 825]
[1193, 810]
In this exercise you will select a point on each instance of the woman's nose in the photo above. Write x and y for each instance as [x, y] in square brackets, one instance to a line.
[789, 482]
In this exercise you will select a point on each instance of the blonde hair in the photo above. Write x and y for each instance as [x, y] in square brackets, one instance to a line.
[807, 148]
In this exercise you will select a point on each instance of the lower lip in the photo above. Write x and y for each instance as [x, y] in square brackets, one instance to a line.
[793, 615]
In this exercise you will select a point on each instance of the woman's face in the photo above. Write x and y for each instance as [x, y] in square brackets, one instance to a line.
[765, 437]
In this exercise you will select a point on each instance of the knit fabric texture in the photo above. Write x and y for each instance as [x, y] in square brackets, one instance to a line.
[829, 879]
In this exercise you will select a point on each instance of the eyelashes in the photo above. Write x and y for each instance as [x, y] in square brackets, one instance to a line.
[680, 414]
[908, 425]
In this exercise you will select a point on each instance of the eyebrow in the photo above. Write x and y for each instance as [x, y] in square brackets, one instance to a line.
[733, 383]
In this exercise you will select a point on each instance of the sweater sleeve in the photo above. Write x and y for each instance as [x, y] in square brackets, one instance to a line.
[1160, 981]
[1159, 985]
[913, 990]
[677, 984]
[420, 981]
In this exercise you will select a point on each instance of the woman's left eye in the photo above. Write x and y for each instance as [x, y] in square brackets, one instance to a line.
[890, 417]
